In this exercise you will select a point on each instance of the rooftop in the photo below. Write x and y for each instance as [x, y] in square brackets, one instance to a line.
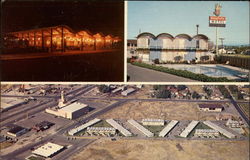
[74, 107]
[16, 129]
[210, 106]
[48, 149]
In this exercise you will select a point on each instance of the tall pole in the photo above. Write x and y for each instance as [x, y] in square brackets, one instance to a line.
[197, 29]
[222, 39]
[217, 51]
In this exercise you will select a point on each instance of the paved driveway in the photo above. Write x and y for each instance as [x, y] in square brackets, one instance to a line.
[139, 74]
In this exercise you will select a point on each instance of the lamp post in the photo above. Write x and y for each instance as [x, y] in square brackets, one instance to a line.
[197, 29]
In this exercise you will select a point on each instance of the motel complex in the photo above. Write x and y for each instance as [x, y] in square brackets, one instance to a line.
[168, 48]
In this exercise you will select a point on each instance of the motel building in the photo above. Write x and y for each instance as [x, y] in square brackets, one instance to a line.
[102, 131]
[168, 48]
[59, 38]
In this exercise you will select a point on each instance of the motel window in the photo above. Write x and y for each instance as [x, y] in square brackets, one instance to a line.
[197, 44]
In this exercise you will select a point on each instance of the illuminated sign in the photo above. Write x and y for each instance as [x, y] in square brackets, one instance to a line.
[217, 21]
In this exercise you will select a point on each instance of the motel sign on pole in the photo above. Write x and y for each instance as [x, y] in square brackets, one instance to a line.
[217, 21]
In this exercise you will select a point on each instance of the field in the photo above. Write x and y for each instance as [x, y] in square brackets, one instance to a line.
[164, 110]
[5, 144]
[106, 149]
[197, 88]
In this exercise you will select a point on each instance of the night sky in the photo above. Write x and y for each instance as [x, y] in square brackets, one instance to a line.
[96, 16]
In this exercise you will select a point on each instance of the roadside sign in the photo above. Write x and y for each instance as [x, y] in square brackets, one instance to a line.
[217, 21]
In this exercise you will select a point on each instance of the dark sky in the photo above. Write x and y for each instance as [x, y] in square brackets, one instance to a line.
[96, 16]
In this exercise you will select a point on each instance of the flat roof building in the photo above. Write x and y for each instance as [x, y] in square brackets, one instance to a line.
[48, 150]
[10, 102]
[168, 128]
[17, 131]
[128, 91]
[211, 107]
[141, 128]
[189, 128]
[71, 111]
[82, 127]
[234, 124]
[219, 129]
[119, 127]
[153, 122]
[206, 133]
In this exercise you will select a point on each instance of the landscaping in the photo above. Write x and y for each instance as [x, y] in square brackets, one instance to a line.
[183, 73]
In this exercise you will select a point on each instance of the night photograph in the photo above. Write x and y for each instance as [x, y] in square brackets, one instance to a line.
[62, 41]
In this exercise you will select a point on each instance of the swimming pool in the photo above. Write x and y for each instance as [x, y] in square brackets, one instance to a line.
[213, 70]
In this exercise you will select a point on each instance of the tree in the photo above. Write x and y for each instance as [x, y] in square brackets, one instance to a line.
[195, 95]
[181, 87]
[204, 58]
[156, 61]
[163, 94]
[224, 91]
[240, 96]
[104, 88]
[178, 58]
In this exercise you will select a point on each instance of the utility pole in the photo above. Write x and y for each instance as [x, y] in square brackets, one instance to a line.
[197, 29]
[217, 50]
[222, 39]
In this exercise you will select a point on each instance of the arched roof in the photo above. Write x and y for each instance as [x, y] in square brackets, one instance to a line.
[165, 35]
[146, 34]
[186, 36]
[200, 36]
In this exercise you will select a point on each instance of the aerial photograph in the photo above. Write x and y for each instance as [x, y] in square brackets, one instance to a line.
[177, 41]
[62, 41]
[110, 122]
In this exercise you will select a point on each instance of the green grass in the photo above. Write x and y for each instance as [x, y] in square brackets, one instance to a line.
[102, 123]
[183, 73]
[35, 158]
[155, 129]
[199, 126]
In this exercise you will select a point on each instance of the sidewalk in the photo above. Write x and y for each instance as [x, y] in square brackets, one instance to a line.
[46, 54]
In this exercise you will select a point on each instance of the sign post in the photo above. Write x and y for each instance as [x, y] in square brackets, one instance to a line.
[217, 21]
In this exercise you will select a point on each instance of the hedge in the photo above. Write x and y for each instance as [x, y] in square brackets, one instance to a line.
[183, 73]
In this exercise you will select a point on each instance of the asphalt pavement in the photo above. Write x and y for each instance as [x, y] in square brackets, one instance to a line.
[139, 74]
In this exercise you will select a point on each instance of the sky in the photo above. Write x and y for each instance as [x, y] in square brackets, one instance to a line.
[176, 17]
[105, 16]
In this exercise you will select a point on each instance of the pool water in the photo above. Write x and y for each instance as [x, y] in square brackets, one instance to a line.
[212, 70]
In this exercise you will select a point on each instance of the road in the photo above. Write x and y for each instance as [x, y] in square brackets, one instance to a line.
[139, 74]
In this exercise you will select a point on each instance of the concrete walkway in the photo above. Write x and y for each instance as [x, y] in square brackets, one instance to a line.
[139, 74]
